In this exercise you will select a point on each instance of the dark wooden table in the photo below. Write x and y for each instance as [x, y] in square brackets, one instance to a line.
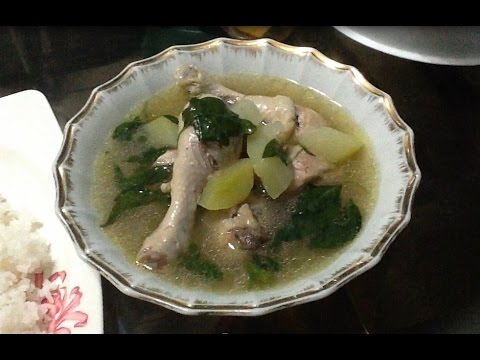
[429, 279]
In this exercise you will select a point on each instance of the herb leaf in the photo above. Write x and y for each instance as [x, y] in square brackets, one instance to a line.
[343, 227]
[266, 263]
[319, 198]
[148, 156]
[143, 177]
[214, 121]
[133, 198]
[320, 219]
[261, 269]
[133, 189]
[126, 130]
[172, 118]
[273, 148]
[193, 261]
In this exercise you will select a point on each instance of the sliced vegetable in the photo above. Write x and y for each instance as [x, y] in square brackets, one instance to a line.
[228, 187]
[214, 121]
[246, 109]
[161, 132]
[193, 261]
[275, 175]
[257, 142]
[330, 144]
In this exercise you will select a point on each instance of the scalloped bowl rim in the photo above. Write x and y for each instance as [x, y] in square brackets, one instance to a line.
[74, 219]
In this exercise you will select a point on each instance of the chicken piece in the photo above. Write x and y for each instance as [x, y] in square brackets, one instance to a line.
[278, 108]
[244, 227]
[307, 120]
[195, 82]
[306, 168]
[166, 187]
[190, 172]
[193, 164]
[223, 156]
[167, 158]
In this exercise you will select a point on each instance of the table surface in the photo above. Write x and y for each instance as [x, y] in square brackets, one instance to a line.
[429, 279]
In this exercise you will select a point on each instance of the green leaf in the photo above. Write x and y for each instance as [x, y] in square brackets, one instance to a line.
[119, 178]
[273, 148]
[343, 227]
[213, 121]
[133, 190]
[193, 261]
[248, 128]
[147, 157]
[265, 262]
[288, 233]
[172, 118]
[131, 199]
[126, 130]
[320, 219]
[314, 199]
[261, 269]
[257, 275]
[142, 177]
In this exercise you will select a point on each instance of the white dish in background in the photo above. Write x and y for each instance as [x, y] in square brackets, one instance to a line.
[29, 142]
[444, 45]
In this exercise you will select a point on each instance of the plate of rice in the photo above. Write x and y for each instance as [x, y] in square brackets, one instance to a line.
[44, 286]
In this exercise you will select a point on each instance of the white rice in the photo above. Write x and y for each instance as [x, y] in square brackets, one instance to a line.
[23, 253]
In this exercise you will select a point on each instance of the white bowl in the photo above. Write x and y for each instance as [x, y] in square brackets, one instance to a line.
[373, 110]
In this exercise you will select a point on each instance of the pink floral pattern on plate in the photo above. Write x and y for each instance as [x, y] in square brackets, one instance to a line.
[61, 308]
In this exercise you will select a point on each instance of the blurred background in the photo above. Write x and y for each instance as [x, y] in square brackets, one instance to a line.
[428, 281]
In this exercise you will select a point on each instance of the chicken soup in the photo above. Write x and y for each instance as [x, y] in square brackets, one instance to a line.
[234, 183]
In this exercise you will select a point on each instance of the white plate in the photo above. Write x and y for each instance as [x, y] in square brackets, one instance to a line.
[29, 142]
[445, 45]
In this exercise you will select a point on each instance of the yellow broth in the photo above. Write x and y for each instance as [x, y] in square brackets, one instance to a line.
[358, 176]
